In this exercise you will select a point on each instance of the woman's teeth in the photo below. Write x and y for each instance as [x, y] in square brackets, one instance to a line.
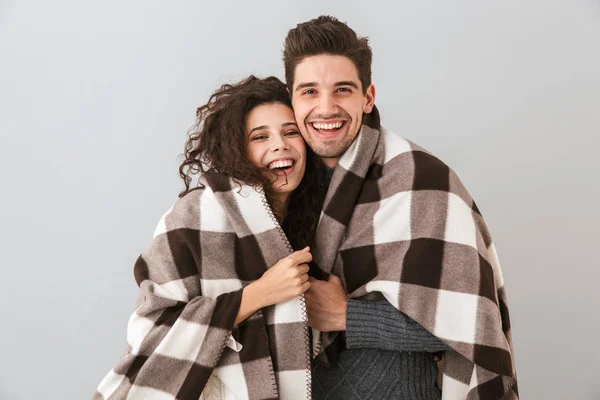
[335, 125]
[281, 164]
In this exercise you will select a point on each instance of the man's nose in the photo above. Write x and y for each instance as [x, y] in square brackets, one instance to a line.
[327, 105]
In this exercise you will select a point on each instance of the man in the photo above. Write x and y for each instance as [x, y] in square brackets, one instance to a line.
[383, 353]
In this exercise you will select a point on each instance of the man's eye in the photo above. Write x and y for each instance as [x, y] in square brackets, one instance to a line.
[343, 89]
[309, 91]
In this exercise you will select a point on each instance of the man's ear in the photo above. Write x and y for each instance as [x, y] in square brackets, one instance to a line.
[370, 99]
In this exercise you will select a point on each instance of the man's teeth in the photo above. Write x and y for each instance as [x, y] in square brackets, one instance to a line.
[281, 164]
[336, 125]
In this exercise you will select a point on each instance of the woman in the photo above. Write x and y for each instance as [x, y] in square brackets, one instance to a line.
[221, 312]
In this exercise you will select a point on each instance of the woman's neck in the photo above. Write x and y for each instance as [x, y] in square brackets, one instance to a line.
[280, 205]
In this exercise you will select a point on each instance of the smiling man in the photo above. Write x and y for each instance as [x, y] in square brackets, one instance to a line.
[329, 101]
[412, 267]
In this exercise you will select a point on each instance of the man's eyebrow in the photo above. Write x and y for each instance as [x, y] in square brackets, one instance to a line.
[258, 128]
[346, 83]
[337, 84]
[305, 85]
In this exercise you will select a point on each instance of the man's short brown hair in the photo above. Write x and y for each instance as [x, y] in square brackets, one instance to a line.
[326, 35]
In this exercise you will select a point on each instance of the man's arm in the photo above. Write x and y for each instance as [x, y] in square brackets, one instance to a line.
[380, 325]
[367, 324]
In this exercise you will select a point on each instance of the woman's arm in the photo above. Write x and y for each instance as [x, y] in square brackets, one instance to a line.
[176, 335]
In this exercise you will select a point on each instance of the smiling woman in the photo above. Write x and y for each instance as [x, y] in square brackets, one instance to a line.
[274, 143]
[242, 126]
[221, 312]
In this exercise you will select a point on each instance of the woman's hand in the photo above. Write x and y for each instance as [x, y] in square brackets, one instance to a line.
[286, 279]
[282, 282]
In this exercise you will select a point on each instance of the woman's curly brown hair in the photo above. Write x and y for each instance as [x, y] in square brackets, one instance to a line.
[217, 143]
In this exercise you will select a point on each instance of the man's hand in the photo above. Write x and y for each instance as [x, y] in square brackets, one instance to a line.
[326, 303]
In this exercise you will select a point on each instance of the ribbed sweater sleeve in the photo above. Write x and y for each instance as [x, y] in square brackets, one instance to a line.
[380, 325]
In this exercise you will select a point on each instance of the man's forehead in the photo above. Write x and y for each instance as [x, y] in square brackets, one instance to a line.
[325, 70]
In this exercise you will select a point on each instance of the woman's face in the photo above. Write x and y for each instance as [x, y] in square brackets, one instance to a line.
[274, 142]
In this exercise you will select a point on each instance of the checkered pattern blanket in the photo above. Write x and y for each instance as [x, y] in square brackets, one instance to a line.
[398, 221]
[210, 244]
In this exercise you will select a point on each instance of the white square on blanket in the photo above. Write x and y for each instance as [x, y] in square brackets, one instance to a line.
[456, 316]
[110, 383]
[174, 289]
[349, 155]
[389, 289]
[292, 384]
[248, 202]
[147, 393]
[161, 227]
[288, 312]
[183, 340]
[394, 145]
[216, 287]
[453, 389]
[212, 215]
[233, 377]
[392, 221]
[137, 329]
[460, 225]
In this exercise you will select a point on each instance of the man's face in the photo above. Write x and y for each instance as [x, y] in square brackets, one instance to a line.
[329, 103]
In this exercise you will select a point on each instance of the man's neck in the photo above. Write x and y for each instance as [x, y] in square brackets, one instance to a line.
[330, 162]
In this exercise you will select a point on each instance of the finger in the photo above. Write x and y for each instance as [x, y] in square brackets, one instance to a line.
[300, 252]
[295, 258]
[301, 256]
[304, 278]
[305, 286]
[303, 268]
[335, 279]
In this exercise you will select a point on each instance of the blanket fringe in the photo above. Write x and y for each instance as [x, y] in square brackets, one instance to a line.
[307, 336]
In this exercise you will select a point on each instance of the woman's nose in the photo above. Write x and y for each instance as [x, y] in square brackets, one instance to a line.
[280, 144]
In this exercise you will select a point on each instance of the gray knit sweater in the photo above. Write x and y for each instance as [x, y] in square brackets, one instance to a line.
[388, 356]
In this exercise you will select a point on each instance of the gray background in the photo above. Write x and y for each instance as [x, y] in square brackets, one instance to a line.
[96, 99]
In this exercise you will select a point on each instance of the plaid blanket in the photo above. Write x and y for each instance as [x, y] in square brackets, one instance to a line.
[206, 248]
[398, 221]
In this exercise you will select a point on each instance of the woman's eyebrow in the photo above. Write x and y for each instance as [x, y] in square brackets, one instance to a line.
[258, 128]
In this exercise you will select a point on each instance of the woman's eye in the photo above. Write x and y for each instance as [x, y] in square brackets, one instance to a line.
[292, 133]
[258, 137]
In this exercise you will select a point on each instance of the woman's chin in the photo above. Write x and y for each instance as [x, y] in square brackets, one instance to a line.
[280, 186]
[285, 188]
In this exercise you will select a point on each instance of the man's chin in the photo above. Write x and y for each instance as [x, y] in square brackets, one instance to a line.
[327, 153]
[328, 148]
